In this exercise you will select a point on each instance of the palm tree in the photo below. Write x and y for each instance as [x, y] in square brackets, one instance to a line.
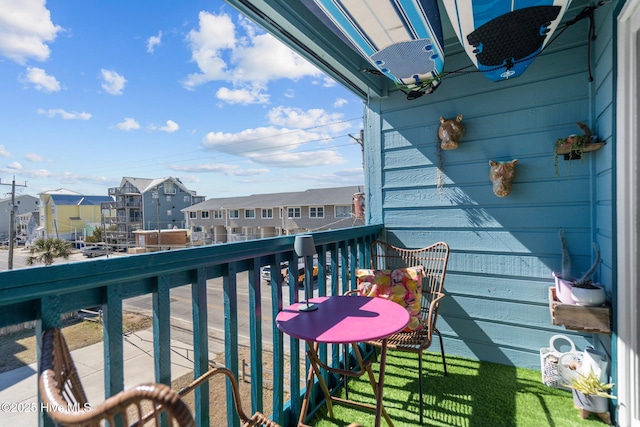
[48, 249]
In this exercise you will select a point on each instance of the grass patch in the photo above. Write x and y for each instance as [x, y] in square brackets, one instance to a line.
[474, 394]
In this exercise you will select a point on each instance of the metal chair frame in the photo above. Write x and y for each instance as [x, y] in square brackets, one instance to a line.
[434, 259]
[62, 391]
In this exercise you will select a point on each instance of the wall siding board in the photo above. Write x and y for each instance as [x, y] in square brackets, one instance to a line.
[494, 216]
[503, 250]
[517, 289]
[450, 195]
[481, 346]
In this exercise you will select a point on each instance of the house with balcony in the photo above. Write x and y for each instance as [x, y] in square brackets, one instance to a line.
[145, 204]
[259, 216]
[23, 204]
[503, 249]
[69, 215]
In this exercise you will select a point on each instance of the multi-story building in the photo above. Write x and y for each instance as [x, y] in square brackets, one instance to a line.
[146, 204]
[24, 204]
[267, 215]
[67, 215]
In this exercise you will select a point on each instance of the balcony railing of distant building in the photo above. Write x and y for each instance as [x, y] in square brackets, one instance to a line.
[128, 204]
[44, 294]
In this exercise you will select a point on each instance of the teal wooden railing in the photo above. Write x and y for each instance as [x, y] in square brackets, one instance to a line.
[43, 294]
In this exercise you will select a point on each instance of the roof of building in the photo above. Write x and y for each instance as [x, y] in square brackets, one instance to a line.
[18, 197]
[79, 200]
[146, 184]
[60, 191]
[311, 197]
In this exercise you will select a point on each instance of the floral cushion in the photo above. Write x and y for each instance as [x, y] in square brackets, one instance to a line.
[402, 286]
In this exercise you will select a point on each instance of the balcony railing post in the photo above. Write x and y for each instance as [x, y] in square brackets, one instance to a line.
[200, 345]
[162, 330]
[113, 343]
[255, 333]
[229, 287]
[48, 317]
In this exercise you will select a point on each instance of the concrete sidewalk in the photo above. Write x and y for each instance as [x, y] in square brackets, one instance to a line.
[19, 388]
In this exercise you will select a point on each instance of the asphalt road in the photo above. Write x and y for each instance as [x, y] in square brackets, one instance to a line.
[181, 314]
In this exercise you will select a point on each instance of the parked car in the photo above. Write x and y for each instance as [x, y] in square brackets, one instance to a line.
[95, 250]
[265, 273]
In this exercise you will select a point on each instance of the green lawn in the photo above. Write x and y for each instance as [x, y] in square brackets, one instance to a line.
[474, 394]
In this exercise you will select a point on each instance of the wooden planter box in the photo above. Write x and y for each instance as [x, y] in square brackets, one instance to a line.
[578, 317]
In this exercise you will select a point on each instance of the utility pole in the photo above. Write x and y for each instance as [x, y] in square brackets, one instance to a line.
[360, 142]
[12, 225]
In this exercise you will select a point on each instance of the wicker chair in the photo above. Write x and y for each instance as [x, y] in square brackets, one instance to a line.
[434, 259]
[257, 419]
[61, 390]
[63, 395]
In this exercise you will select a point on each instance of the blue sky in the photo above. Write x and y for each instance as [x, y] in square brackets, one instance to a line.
[96, 90]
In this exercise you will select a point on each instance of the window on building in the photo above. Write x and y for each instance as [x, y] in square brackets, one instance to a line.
[343, 211]
[168, 198]
[218, 214]
[267, 213]
[250, 213]
[169, 187]
[316, 212]
[234, 213]
[169, 212]
[186, 199]
[204, 215]
[293, 213]
[193, 215]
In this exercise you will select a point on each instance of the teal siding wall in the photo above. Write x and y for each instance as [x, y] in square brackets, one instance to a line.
[603, 171]
[503, 249]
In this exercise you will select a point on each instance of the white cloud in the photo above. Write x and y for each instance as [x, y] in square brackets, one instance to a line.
[343, 177]
[312, 118]
[328, 82]
[112, 82]
[255, 143]
[14, 166]
[25, 30]
[4, 152]
[247, 61]
[170, 127]
[305, 159]
[128, 124]
[215, 33]
[292, 142]
[265, 58]
[33, 157]
[66, 115]
[154, 41]
[62, 177]
[244, 96]
[41, 80]
[340, 102]
[225, 169]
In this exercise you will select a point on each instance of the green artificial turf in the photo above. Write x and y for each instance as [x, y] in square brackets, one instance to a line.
[474, 394]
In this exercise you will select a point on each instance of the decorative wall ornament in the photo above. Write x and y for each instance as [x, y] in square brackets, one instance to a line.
[573, 146]
[450, 131]
[502, 175]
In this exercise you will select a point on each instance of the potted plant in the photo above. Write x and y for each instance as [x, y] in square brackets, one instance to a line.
[590, 393]
[573, 146]
[580, 291]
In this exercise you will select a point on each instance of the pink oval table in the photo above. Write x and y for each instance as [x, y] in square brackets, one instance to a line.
[344, 320]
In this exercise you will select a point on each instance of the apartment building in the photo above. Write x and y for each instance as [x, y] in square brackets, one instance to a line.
[145, 204]
[268, 215]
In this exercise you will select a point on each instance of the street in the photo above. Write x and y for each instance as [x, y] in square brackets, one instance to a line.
[181, 310]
